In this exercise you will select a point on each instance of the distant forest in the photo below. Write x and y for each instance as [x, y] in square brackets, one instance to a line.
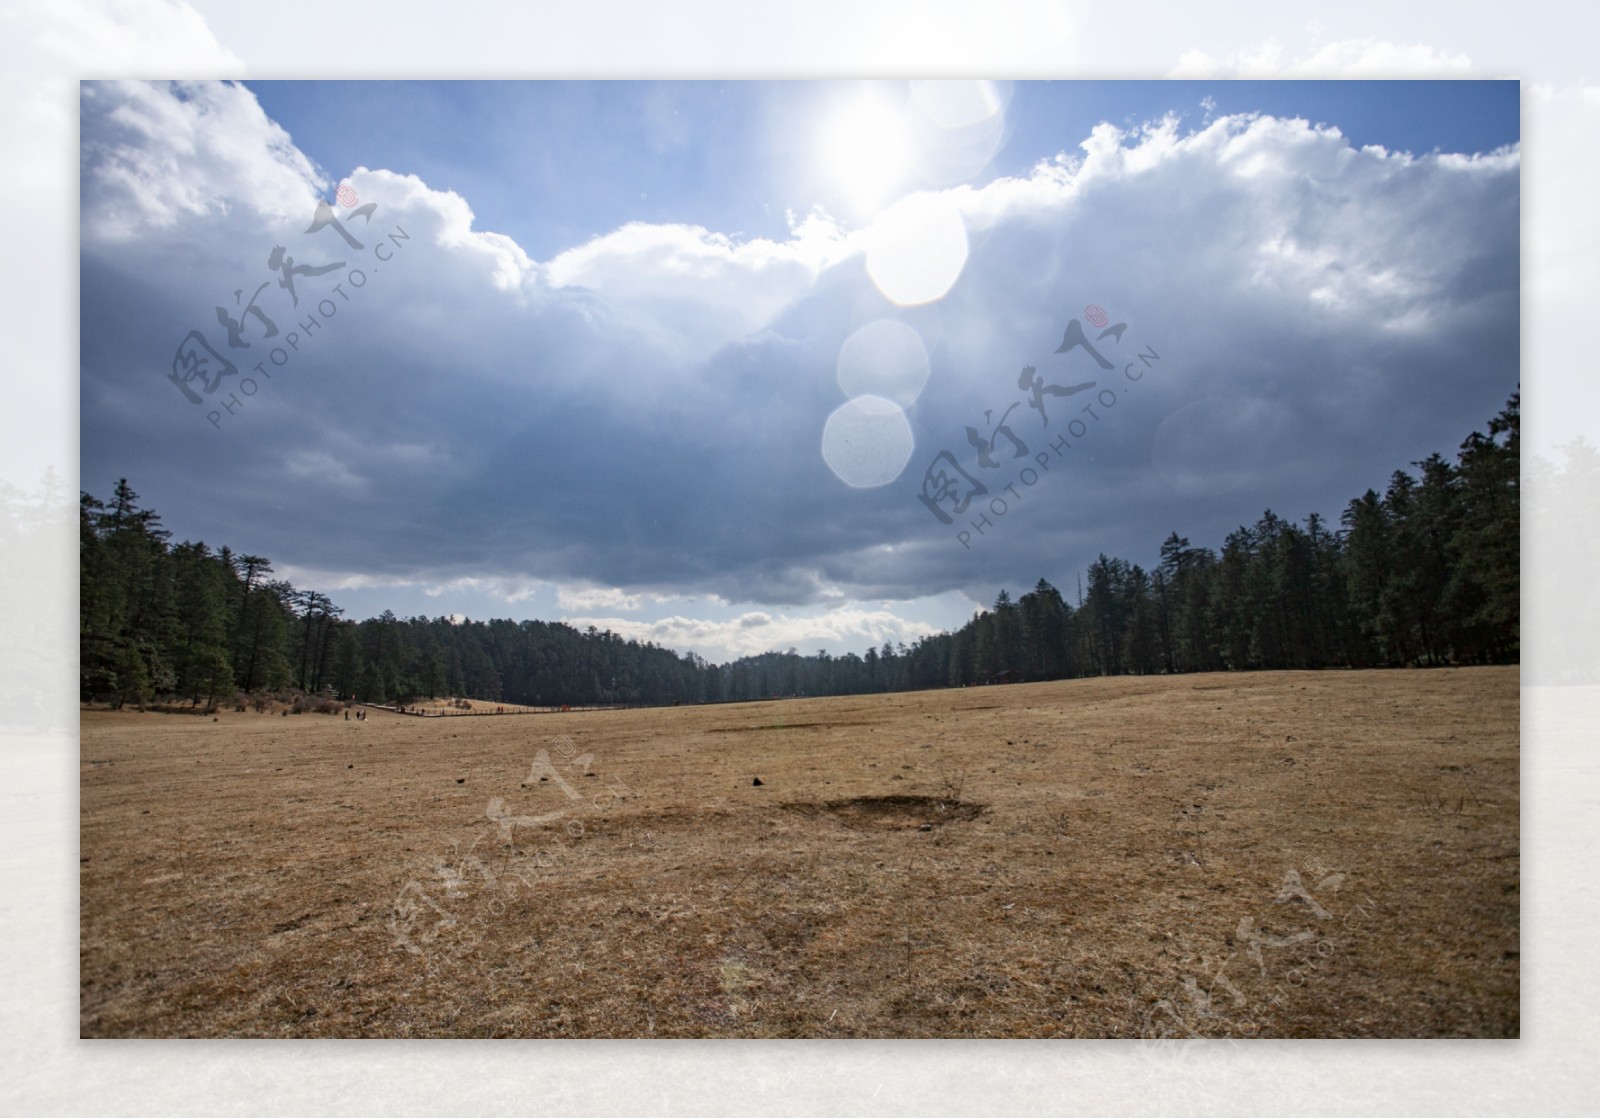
[1426, 573]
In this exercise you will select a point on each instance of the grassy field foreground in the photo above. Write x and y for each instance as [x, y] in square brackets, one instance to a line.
[1330, 854]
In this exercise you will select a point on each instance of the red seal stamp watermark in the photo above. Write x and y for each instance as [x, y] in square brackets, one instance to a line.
[347, 198]
[1096, 315]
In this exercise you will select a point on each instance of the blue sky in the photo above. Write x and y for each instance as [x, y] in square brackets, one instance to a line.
[723, 154]
[679, 359]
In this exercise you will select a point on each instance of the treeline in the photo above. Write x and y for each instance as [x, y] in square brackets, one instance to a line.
[163, 620]
[1425, 573]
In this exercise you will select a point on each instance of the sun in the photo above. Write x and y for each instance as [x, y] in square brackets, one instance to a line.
[866, 151]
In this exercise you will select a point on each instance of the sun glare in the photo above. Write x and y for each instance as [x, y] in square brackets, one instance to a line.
[867, 151]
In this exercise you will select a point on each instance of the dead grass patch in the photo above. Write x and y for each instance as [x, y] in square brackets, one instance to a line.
[1113, 858]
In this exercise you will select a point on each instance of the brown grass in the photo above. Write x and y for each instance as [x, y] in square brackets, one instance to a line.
[1284, 854]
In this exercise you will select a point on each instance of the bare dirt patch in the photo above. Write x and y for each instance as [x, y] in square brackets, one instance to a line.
[1257, 855]
[891, 813]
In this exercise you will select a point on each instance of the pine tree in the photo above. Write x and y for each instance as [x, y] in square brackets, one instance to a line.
[200, 659]
[1485, 586]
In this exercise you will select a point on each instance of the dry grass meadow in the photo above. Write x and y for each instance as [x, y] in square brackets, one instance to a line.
[1330, 854]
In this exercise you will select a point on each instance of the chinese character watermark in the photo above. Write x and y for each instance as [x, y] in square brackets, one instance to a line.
[450, 908]
[202, 372]
[949, 489]
[1268, 965]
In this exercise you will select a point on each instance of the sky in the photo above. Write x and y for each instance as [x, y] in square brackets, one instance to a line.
[697, 361]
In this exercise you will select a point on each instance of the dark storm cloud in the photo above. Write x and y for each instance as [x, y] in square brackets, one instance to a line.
[646, 411]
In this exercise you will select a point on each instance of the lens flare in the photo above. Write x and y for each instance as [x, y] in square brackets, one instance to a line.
[916, 249]
[866, 150]
[884, 358]
[867, 442]
[956, 104]
[957, 126]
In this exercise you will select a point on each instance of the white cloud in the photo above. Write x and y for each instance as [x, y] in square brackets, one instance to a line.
[1312, 232]
[503, 590]
[760, 631]
[697, 289]
[596, 598]
[158, 154]
[490, 255]
[507, 590]
[327, 581]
